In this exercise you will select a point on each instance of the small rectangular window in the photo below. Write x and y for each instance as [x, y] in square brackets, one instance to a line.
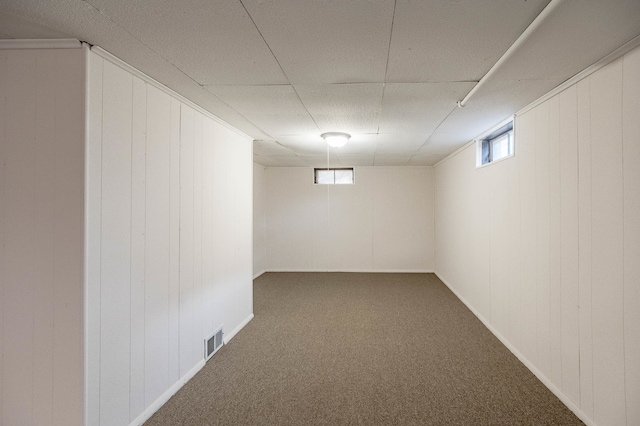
[495, 145]
[333, 176]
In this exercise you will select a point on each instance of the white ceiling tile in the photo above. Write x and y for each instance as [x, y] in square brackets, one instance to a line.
[280, 99]
[319, 161]
[436, 40]
[285, 161]
[419, 107]
[398, 144]
[324, 41]
[562, 37]
[351, 108]
[274, 109]
[309, 144]
[266, 161]
[16, 27]
[214, 42]
[391, 160]
[425, 160]
[267, 148]
[356, 160]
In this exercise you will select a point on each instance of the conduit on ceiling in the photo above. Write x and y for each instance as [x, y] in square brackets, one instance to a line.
[516, 44]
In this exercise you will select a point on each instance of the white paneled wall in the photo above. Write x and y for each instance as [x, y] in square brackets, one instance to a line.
[169, 256]
[259, 219]
[545, 246]
[42, 97]
[383, 223]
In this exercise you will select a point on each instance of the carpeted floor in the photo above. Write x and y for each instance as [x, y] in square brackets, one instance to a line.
[362, 349]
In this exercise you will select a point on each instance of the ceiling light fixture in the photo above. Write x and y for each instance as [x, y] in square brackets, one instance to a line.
[336, 139]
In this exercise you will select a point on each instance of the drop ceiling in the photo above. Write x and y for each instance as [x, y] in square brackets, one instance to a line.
[387, 72]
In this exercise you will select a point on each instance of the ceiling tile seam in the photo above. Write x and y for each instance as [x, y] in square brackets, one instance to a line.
[143, 43]
[275, 58]
[386, 67]
[236, 111]
[393, 18]
[434, 130]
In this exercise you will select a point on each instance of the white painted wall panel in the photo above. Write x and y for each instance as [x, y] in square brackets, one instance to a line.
[138, 246]
[19, 209]
[157, 241]
[42, 99]
[584, 245]
[631, 291]
[93, 227]
[115, 295]
[174, 245]
[187, 296]
[607, 249]
[554, 233]
[152, 164]
[259, 219]
[44, 226]
[526, 136]
[541, 256]
[572, 238]
[384, 222]
[569, 246]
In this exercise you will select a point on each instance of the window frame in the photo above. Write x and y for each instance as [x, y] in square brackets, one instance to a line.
[485, 142]
[333, 169]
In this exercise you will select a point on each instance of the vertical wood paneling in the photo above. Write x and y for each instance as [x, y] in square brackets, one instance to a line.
[607, 249]
[174, 244]
[498, 219]
[157, 244]
[68, 333]
[19, 207]
[42, 96]
[221, 231]
[198, 345]
[555, 231]
[583, 89]
[514, 331]
[138, 229]
[93, 239]
[543, 325]
[207, 227]
[569, 243]
[186, 238]
[574, 279]
[631, 291]
[116, 250]
[44, 227]
[3, 181]
[526, 128]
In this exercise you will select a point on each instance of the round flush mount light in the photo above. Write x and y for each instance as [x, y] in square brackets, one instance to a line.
[336, 139]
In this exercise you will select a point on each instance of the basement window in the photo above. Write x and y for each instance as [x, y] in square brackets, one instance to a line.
[343, 176]
[496, 145]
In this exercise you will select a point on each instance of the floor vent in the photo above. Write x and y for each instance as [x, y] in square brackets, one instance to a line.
[213, 343]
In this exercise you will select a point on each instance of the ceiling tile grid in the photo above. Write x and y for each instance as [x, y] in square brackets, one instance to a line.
[389, 72]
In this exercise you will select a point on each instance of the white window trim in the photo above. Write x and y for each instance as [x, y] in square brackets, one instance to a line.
[478, 143]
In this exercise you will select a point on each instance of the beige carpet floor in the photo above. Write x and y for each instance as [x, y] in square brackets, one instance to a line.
[362, 349]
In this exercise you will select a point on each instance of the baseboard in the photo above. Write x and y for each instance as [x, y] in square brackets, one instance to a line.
[258, 274]
[230, 335]
[557, 392]
[360, 271]
[155, 406]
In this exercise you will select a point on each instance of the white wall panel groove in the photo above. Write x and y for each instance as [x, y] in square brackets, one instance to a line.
[573, 280]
